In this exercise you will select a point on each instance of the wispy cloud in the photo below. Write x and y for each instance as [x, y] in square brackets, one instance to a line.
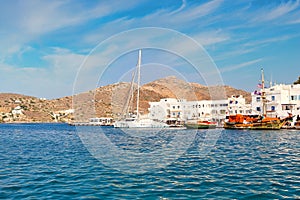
[268, 14]
[182, 19]
[270, 40]
[198, 11]
[183, 5]
[241, 65]
[34, 19]
[211, 37]
[56, 35]
[282, 9]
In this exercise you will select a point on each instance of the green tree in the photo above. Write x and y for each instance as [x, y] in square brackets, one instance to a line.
[298, 81]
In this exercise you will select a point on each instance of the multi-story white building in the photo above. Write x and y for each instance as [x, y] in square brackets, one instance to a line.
[281, 100]
[215, 110]
[167, 108]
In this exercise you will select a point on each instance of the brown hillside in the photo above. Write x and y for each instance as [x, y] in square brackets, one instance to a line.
[108, 101]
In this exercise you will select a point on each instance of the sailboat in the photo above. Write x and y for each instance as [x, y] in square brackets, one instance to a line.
[255, 122]
[137, 121]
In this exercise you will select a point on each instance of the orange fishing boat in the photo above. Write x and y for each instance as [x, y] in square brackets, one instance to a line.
[297, 125]
[255, 122]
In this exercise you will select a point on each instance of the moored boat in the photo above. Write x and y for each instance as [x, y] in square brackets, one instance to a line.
[96, 121]
[137, 121]
[200, 124]
[257, 122]
[297, 125]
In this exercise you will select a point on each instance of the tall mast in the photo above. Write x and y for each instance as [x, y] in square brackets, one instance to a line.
[263, 93]
[138, 83]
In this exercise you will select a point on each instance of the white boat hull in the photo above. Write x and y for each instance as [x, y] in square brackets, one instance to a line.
[143, 123]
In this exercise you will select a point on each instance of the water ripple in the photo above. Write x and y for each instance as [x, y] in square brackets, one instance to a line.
[49, 161]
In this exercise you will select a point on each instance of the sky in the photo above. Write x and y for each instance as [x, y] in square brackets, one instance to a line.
[51, 49]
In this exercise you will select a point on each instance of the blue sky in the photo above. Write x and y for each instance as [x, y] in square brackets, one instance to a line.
[43, 44]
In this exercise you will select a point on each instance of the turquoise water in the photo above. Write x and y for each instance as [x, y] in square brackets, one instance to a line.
[50, 161]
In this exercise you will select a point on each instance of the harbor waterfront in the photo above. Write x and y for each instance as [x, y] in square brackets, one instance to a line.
[49, 161]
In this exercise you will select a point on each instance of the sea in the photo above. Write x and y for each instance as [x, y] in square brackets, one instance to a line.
[58, 161]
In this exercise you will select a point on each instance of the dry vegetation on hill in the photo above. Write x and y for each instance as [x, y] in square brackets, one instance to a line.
[107, 101]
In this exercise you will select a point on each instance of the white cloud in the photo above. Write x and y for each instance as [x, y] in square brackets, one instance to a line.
[241, 65]
[198, 11]
[183, 5]
[210, 37]
[240, 28]
[54, 81]
[295, 21]
[25, 21]
[28, 81]
[180, 19]
[281, 10]
[39, 17]
[267, 41]
[267, 14]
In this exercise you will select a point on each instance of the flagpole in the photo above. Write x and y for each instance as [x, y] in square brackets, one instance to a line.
[263, 93]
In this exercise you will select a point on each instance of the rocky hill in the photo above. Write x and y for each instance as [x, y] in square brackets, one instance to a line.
[106, 101]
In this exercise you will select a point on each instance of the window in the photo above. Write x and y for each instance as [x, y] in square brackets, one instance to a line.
[257, 99]
[273, 108]
[294, 97]
[273, 98]
[258, 109]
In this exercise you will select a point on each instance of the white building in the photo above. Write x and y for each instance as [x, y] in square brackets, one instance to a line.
[215, 110]
[206, 110]
[167, 108]
[17, 111]
[281, 100]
